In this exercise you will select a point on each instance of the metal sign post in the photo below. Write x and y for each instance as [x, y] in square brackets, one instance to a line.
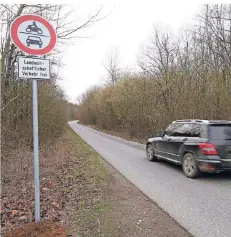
[34, 35]
[36, 149]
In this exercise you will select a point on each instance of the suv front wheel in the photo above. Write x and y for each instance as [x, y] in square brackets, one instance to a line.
[151, 153]
[189, 166]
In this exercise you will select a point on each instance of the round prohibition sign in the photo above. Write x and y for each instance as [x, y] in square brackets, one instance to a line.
[33, 34]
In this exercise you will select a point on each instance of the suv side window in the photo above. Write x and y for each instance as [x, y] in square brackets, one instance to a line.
[184, 130]
[190, 130]
[172, 129]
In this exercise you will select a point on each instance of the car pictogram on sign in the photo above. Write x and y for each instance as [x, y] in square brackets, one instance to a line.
[34, 40]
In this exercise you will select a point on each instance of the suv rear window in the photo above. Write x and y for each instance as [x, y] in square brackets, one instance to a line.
[220, 132]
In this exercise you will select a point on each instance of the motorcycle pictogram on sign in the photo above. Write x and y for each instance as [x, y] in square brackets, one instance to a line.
[34, 28]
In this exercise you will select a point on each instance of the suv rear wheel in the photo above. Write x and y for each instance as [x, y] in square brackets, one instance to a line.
[189, 166]
[151, 153]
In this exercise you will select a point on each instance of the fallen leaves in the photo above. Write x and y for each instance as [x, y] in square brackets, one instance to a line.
[14, 212]
[66, 180]
[41, 229]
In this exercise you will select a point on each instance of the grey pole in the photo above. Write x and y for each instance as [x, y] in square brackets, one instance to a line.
[36, 149]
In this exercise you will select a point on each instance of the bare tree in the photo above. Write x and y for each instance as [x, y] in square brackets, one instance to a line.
[16, 95]
[112, 67]
[159, 61]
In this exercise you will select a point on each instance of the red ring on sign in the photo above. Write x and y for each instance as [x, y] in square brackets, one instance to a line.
[14, 34]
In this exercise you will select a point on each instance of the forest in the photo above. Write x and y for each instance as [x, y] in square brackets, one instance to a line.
[180, 77]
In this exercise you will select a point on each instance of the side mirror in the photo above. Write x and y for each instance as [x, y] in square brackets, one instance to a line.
[160, 134]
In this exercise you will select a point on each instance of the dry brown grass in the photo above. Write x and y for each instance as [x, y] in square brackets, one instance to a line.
[72, 180]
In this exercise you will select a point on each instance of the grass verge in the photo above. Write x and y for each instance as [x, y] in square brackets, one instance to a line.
[93, 193]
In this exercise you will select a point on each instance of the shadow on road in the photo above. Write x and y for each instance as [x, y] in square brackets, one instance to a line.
[221, 176]
[204, 176]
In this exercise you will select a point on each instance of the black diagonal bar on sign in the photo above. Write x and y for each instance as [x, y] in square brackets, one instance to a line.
[33, 34]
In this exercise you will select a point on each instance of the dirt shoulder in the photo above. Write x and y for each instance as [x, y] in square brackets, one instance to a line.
[135, 214]
[80, 192]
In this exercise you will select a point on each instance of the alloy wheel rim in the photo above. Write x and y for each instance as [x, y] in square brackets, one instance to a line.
[150, 152]
[189, 165]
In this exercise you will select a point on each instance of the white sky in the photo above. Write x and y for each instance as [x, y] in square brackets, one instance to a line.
[127, 27]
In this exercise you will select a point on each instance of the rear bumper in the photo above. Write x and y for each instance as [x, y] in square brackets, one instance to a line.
[214, 166]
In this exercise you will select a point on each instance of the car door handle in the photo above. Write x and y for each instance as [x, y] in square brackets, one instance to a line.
[185, 139]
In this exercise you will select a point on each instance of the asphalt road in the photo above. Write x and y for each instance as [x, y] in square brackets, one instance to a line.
[202, 206]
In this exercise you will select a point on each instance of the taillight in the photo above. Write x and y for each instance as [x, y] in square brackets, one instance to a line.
[208, 149]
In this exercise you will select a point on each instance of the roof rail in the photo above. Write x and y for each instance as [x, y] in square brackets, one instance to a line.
[193, 121]
[202, 121]
[184, 120]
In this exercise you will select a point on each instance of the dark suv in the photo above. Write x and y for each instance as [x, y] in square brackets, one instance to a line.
[197, 145]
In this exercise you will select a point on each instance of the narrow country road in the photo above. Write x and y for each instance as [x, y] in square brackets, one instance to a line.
[202, 206]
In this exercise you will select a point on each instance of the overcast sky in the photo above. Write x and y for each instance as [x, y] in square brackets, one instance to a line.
[127, 28]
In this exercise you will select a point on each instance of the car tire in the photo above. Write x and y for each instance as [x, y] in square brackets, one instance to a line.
[189, 166]
[151, 153]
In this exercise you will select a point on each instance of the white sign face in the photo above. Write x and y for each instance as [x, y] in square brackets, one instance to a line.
[33, 68]
[34, 35]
